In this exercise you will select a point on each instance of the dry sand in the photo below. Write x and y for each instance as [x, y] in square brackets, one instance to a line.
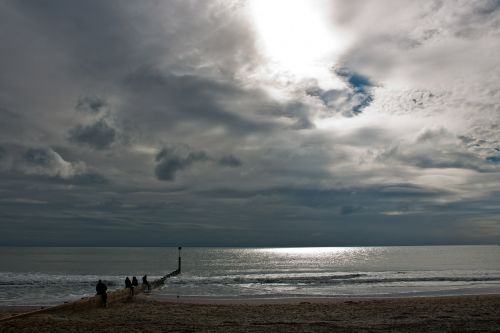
[431, 314]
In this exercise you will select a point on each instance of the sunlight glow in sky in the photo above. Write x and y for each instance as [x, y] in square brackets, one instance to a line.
[297, 37]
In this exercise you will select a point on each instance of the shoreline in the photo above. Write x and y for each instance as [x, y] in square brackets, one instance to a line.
[270, 299]
[295, 300]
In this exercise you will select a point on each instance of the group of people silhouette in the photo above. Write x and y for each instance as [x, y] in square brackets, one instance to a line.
[101, 288]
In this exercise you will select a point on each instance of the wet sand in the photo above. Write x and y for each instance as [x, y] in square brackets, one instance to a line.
[143, 314]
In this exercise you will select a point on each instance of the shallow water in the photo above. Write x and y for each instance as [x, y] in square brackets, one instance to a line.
[42, 276]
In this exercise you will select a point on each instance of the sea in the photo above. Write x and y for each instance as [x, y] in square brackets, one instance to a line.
[52, 275]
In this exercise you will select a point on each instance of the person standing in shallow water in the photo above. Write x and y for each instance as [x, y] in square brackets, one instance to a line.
[101, 289]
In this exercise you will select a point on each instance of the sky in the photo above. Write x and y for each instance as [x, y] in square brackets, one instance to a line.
[249, 122]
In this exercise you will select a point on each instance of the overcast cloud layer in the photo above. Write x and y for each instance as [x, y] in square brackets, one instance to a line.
[169, 123]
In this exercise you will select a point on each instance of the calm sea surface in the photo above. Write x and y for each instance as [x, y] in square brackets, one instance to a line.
[44, 275]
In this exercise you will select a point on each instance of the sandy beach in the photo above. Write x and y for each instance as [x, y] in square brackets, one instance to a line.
[430, 314]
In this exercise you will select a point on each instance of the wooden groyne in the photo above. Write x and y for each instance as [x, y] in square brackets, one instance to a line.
[86, 303]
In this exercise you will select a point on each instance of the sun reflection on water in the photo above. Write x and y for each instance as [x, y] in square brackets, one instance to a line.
[340, 255]
[309, 251]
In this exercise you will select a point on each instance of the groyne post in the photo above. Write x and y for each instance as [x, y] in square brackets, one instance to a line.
[179, 268]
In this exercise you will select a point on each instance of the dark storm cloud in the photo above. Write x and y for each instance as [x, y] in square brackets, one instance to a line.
[128, 35]
[14, 125]
[45, 164]
[180, 98]
[43, 157]
[69, 24]
[434, 159]
[230, 161]
[432, 156]
[170, 160]
[487, 7]
[91, 104]
[297, 111]
[481, 14]
[98, 135]
[345, 201]
[89, 178]
[4, 113]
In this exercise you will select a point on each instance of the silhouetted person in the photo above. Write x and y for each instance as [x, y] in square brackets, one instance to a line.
[146, 284]
[135, 283]
[128, 284]
[101, 288]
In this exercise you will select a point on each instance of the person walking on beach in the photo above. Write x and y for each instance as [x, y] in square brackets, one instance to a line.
[128, 284]
[135, 283]
[146, 284]
[101, 289]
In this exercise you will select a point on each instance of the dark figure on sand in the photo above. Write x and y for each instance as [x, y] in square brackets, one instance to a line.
[147, 286]
[101, 288]
[135, 283]
[128, 284]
